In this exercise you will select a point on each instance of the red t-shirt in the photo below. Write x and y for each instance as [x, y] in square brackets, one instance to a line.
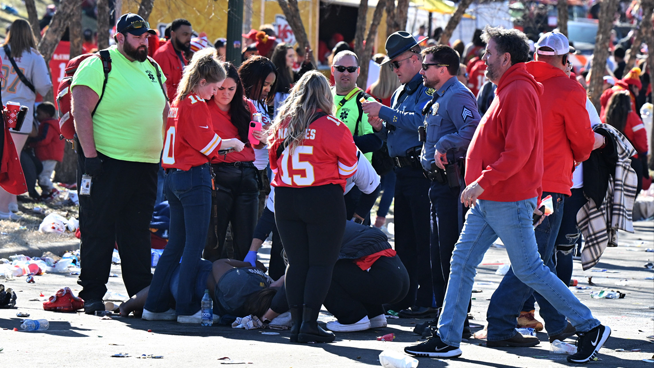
[190, 138]
[477, 76]
[327, 155]
[222, 125]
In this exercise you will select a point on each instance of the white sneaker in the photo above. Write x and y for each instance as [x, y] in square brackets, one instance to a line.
[194, 319]
[168, 315]
[13, 207]
[362, 325]
[10, 216]
[378, 321]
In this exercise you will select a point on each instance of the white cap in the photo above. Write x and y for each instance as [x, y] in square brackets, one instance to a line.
[609, 79]
[557, 42]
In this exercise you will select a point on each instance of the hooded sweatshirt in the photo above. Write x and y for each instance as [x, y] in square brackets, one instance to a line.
[506, 153]
[567, 135]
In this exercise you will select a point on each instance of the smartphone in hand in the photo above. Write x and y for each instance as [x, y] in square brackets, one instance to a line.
[537, 217]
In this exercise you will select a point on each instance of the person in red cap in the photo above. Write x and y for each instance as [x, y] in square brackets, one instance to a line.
[170, 56]
[631, 82]
[249, 38]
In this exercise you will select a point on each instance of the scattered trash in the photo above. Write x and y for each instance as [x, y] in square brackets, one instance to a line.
[503, 269]
[619, 350]
[635, 350]
[573, 283]
[606, 294]
[476, 291]
[390, 316]
[590, 281]
[120, 355]
[270, 333]
[387, 337]
[63, 301]
[7, 297]
[22, 314]
[393, 359]
[583, 287]
[560, 347]
[104, 314]
[526, 331]
[228, 360]
[149, 356]
[649, 250]
[35, 325]
[29, 279]
[113, 275]
[392, 313]
[113, 296]
[599, 270]
[115, 257]
[649, 265]
[53, 223]
[250, 322]
[149, 330]
[38, 210]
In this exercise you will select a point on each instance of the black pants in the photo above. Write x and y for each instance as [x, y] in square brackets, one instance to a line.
[32, 167]
[265, 226]
[118, 211]
[356, 293]
[235, 201]
[311, 223]
[412, 235]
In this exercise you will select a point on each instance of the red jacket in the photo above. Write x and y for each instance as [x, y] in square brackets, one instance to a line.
[634, 130]
[506, 153]
[11, 173]
[48, 145]
[567, 134]
[171, 66]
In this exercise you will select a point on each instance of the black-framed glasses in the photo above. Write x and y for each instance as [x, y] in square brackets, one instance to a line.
[342, 69]
[137, 24]
[426, 66]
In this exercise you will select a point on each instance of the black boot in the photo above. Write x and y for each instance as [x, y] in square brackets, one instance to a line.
[310, 331]
[296, 318]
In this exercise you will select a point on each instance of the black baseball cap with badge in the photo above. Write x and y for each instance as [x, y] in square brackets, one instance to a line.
[133, 24]
[398, 43]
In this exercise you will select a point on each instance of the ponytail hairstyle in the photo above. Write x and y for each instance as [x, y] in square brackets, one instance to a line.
[617, 110]
[310, 94]
[204, 65]
[238, 108]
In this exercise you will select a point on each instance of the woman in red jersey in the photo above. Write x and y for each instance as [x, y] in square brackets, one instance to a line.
[190, 144]
[312, 154]
[236, 193]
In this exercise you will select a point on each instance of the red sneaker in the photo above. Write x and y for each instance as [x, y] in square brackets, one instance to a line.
[63, 301]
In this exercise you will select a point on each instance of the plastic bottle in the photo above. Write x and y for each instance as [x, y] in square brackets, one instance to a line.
[35, 325]
[604, 294]
[559, 347]
[526, 331]
[206, 309]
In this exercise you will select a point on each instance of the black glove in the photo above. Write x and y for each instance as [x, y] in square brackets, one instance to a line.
[93, 166]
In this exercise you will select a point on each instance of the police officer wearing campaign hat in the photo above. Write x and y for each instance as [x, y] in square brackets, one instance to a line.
[450, 121]
[400, 131]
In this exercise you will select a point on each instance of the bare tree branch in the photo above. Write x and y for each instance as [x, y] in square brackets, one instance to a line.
[642, 31]
[104, 25]
[362, 19]
[364, 57]
[601, 52]
[33, 18]
[454, 21]
[562, 7]
[292, 14]
[75, 31]
[144, 9]
[51, 38]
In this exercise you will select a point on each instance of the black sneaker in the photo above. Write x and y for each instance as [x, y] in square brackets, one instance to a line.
[92, 306]
[589, 343]
[433, 348]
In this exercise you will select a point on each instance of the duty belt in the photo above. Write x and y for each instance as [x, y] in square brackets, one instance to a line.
[403, 162]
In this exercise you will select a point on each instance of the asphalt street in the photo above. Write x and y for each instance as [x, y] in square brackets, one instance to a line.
[79, 340]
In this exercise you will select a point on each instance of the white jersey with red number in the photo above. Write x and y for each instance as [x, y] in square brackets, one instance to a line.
[190, 138]
[327, 155]
[477, 76]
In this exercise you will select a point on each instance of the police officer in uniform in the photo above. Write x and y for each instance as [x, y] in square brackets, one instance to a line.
[451, 118]
[412, 187]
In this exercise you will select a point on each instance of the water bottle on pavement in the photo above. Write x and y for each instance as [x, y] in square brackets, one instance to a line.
[206, 308]
[35, 325]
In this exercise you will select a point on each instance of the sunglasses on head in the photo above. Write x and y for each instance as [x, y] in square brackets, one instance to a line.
[137, 24]
[342, 69]
[426, 66]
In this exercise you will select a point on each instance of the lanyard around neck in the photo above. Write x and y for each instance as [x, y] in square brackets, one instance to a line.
[347, 98]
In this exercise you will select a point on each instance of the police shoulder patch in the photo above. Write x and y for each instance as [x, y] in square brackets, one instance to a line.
[466, 113]
[430, 91]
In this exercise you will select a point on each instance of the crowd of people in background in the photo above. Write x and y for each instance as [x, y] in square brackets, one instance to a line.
[467, 141]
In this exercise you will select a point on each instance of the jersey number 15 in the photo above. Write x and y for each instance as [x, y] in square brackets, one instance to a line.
[297, 164]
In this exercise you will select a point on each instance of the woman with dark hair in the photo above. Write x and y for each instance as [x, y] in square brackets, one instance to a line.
[259, 78]
[236, 185]
[474, 48]
[284, 57]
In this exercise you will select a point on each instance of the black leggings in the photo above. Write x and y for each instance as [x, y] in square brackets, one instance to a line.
[311, 223]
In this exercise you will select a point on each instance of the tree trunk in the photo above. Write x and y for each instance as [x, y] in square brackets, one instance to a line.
[33, 18]
[402, 14]
[144, 9]
[292, 14]
[391, 24]
[75, 32]
[104, 25]
[51, 37]
[454, 21]
[65, 171]
[645, 26]
[562, 7]
[362, 20]
[601, 52]
[364, 57]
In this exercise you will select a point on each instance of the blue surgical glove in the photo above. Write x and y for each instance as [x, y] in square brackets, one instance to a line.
[252, 258]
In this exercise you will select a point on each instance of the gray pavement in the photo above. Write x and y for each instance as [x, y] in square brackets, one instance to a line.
[78, 340]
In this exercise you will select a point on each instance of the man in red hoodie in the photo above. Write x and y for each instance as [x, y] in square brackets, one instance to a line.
[504, 172]
[567, 139]
[170, 56]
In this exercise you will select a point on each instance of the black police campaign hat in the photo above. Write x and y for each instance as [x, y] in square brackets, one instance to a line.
[397, 43]
[134, 24]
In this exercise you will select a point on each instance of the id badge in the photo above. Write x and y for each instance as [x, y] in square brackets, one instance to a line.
[85, 188]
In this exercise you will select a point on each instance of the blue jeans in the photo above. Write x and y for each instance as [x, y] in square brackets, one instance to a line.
[511, 222]
[508, 300]
[189, 196]
[161, 183]
[388, 188]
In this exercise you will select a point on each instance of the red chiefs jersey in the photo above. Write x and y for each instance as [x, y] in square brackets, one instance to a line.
[190, 139]
[327, 155]
[222, 125]
[477, 73]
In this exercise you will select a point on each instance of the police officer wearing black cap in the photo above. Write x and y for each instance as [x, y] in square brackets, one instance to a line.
[411, 190]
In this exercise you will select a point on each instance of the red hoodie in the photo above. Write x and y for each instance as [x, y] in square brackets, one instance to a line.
[567, 134]
[506, 153]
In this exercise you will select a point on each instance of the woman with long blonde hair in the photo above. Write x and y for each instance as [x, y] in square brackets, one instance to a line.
[21, 45]
[387, 83]
[311, 154]
[190, 145]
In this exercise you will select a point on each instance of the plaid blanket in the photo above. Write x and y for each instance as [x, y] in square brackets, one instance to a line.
[600, 225]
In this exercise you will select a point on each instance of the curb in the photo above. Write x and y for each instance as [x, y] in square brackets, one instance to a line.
[37, 250]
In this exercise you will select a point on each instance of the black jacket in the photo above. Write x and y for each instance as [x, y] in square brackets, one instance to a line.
[599, 167]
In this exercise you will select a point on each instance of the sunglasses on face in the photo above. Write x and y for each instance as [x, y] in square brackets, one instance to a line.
[396, 64]
[426, 66]
[342, 69]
